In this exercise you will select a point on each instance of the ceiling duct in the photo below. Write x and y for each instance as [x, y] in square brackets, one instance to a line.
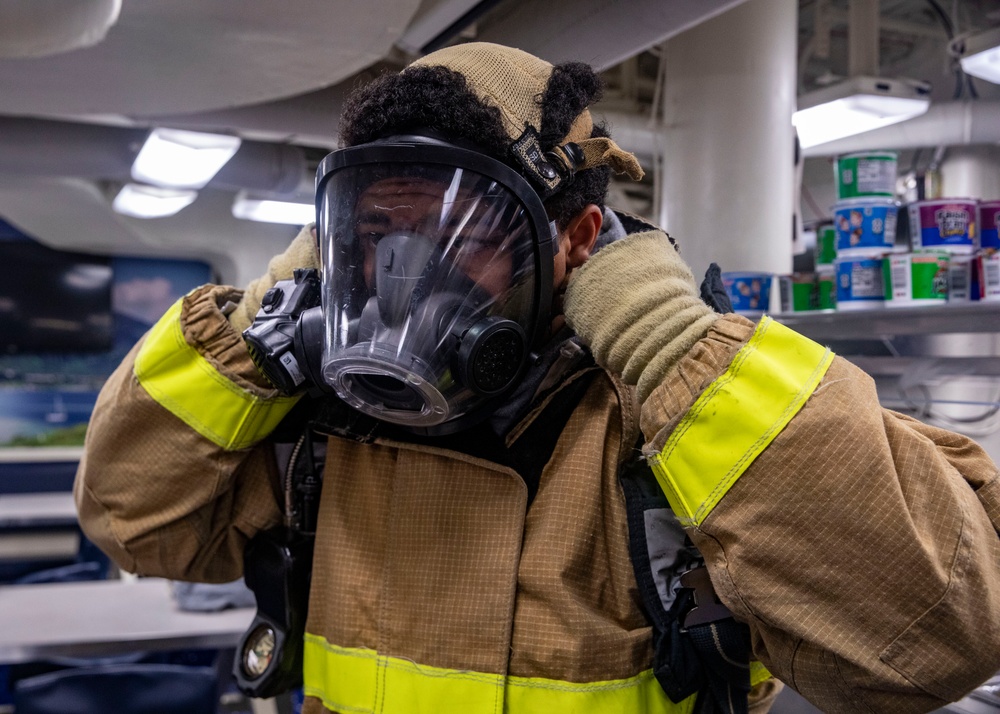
[40, 28]
[862, 38]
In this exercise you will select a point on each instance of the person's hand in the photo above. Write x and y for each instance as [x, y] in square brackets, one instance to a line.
[636, 306]
[301, 253]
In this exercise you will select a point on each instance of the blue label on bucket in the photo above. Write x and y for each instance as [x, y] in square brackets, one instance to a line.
[859, 280]
[990, 238]
[749, 292]
[865, 225]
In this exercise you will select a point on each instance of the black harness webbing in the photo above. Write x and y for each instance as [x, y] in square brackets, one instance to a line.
[698, 648]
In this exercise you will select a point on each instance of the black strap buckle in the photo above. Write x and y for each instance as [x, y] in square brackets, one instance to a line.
[706, 607]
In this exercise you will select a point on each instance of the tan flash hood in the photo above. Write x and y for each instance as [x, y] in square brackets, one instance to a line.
[513, 81]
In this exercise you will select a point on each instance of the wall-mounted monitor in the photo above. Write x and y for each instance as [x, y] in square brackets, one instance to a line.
[53, 300]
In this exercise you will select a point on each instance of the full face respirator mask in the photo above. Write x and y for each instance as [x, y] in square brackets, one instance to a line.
[436, 283]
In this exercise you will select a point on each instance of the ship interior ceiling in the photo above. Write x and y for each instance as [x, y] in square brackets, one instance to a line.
[71, 122]
[275, 75]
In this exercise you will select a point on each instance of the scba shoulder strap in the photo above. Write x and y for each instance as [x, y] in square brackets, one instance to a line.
[698, 648]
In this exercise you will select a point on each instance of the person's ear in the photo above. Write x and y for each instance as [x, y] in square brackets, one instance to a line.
[582, 232]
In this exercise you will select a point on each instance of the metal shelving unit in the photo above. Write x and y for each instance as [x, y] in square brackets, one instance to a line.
[888, 322]
[877, 340]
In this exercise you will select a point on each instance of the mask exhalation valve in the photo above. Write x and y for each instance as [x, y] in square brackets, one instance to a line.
[490, 355]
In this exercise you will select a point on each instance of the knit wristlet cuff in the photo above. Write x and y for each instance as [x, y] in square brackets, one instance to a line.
[636, 305]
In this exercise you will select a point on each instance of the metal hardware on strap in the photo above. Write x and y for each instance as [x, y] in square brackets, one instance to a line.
[707, 606]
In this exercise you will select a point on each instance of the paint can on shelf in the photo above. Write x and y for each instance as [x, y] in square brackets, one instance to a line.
[868, 173]
[943, 224]
[963, 285]
[750, 292]
[989, 223]
[826, 287]
[826, 245]
[798, 292]
[989, 275]
[865, 226]
[915, 279]
[859, 283]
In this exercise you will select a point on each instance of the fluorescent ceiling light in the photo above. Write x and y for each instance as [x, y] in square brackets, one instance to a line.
[981, 55]
[151, 201]
[855, 106]
[267, 210]
[182, 159]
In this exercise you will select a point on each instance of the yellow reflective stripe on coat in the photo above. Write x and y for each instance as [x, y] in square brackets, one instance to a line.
[736, 418]
[182, 381]
[359, 680]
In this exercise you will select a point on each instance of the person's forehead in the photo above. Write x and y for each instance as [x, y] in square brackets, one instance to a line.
[402, 191]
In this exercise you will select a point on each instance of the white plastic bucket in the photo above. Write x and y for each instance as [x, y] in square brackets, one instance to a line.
[989, 224]
[989, 275]
[826, 245]
[943, 224]
[750, 292]
[961, 272]
[826, 287]
[865, 226]
[915, 279]
[798, 292]
[869, 173]
[859, 283]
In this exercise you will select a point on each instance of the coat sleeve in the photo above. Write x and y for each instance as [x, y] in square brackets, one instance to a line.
[176, 474]
[859, 544]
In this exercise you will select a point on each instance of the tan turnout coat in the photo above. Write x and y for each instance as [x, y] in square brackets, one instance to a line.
[859, 546]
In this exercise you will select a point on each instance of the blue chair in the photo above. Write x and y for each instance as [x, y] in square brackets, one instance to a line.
[120, 688]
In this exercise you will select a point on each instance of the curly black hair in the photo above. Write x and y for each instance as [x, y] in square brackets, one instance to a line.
[439, 99]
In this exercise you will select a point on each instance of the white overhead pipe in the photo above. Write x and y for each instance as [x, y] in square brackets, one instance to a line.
[728, 166]
[432, 22]
[948, 124]
[633, 133]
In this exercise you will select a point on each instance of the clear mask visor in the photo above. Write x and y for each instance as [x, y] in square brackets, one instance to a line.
[429, 283]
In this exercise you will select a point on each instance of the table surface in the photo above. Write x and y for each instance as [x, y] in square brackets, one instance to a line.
[93, 619]
[37, 509]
